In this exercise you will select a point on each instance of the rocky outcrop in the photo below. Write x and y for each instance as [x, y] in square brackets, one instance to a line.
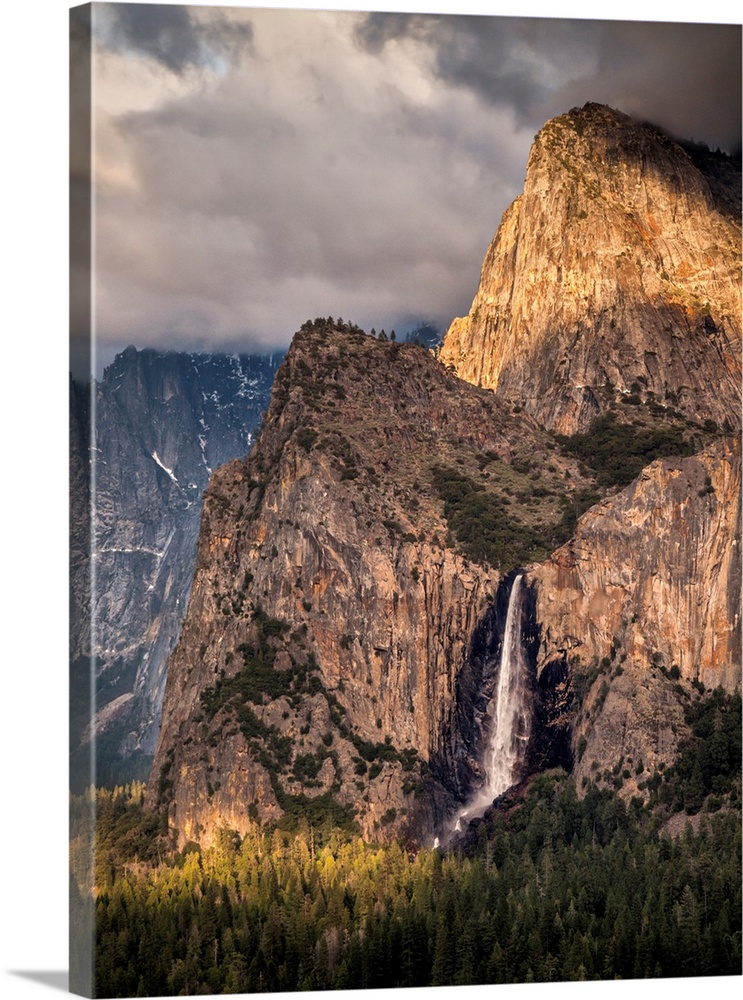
[81, 706]
[334, 525]
[163, 421]
[643, 605]
[616, 277]
[617, 271]
[79, 523]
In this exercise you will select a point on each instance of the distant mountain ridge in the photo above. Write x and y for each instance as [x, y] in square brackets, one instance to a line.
[164, 421]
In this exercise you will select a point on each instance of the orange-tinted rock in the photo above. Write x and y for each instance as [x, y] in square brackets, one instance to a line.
[618, 266]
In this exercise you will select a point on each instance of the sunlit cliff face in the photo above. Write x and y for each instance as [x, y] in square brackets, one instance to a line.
[340, 650]
[617, 271]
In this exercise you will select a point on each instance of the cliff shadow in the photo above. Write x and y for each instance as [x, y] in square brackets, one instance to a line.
[458, 765]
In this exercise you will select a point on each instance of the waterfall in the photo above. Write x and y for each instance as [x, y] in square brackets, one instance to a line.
[510, 727]
[508, 714]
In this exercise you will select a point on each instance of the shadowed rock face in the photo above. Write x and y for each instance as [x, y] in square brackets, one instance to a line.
[646, 594]
[551, 734]
[618, 266]
[163, 422]
[334, 526]
[343, 633]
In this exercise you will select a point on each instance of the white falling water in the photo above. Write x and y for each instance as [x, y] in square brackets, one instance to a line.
[509, 716]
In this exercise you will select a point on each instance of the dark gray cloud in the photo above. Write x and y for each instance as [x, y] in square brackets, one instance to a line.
[376, 28]
[684, 77]
[173, 34]
[165, 33]
[504, 60]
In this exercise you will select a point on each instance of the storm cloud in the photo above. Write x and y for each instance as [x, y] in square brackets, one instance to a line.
[256, 168]
[683, 77]
[170, 34]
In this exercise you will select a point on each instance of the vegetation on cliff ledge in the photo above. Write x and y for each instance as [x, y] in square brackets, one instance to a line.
[424, 455]
[617, 451]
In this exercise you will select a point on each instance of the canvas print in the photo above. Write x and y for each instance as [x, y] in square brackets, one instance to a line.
[405, 411]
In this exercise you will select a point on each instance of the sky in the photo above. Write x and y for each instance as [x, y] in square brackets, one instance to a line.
[255, 168]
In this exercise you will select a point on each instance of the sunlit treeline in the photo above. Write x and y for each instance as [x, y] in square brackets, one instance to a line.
[559, 889]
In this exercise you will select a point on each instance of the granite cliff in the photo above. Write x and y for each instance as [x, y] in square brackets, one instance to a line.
[326, 653]
[640, 611]
[163, 422]
[343, 637]
[616, 272]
